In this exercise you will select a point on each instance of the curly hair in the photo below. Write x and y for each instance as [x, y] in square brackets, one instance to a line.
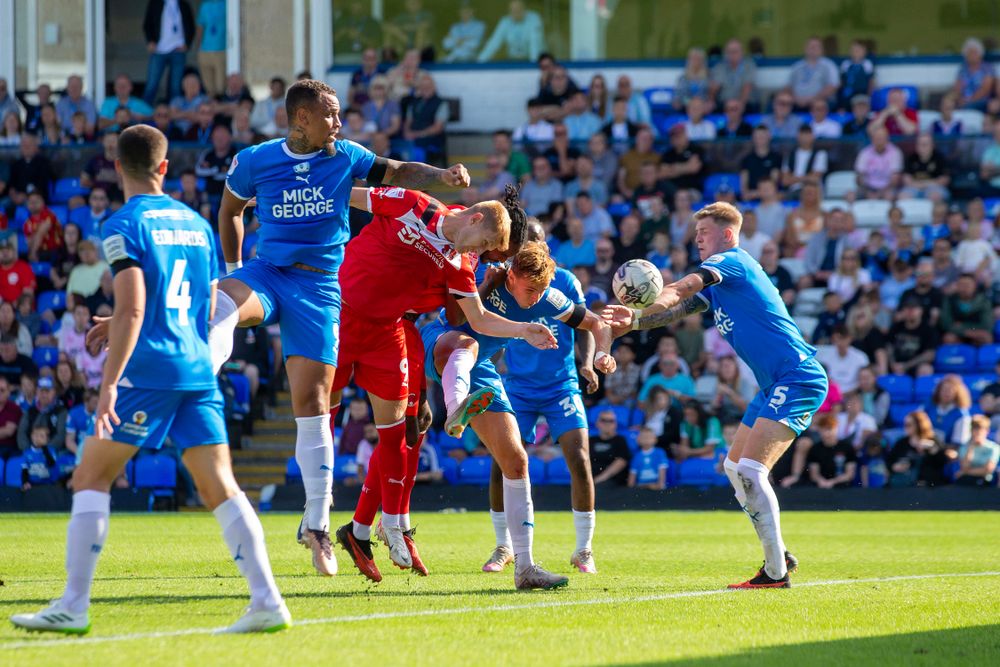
[518, 218]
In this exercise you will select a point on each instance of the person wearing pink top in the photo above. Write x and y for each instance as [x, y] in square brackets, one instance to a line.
[879, 167]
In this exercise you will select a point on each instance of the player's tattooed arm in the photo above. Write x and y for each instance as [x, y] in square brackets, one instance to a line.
[416, 175]
[685, 308]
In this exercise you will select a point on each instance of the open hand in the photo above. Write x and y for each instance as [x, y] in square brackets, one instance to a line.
[456, 176]
[538, 335]
[620, 318]
[590, 376]
[106, 415]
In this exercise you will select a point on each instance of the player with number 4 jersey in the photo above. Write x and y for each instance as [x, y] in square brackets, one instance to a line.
[750, 315]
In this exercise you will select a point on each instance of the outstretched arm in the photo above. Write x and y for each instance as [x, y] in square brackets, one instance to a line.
[416, 175]
[488, 323]
[624, 320]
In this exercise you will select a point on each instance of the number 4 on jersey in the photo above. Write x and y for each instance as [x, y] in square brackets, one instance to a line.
[179, 292]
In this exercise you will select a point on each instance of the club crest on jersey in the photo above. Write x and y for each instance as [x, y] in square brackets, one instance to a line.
[232, 167]
[137, 426]
[302, 168]
[391, 193]
[714, 259]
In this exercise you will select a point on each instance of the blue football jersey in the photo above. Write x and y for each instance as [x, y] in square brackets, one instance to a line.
[552, 304]
[529, 368]
[302, 200]
[750, 315]
[175, 249]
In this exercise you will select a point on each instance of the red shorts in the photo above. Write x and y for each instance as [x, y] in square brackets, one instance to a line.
[374, 353]
[415, 362]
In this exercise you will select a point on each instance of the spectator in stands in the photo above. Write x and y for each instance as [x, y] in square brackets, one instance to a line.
[12, 363]
[598, 99]
[732, 392]
[931, 298]
[516, 163]
[651, 187]
[465, 36]
[976, 256]
[597, 222]
[879, 167]
[277, 127]
[39, 465]
[824, 248]
[698, 127]
[31, 172]
[169, 29]
[542, 190]
[761, 163]
[42, 230]
[974, 84]
[16, 276]
[213, 164]
[251, 348]
[562, 154]
[104, 298]
[24, 397]
[624, 386]
[72, 338]
[33, 112]
[832, 461]
[592, 296]
[700, 433]
[70, 386]
[100, 169]
[814, 77]
[141, 110]
[11, 130]
[629, 243]
[185, 107]
[779, 275]
[638, 106]
[842, 360]
[492, 186]
[648, 469]
[85, 278]
[210, 42]
[358, 417]
[678, 384]
[978, 457]
[683, 163]
[693, 81]
[91, 365]
[897, 118]
[861, 108]
[201, 131]
[8, 103]
[945, 271]
[357, 32]
[823, 127]
[365, 450]
[857, 75]
[867, 337]
[10, 417]
[191, 195]
[832, 316]
[584, 182]
[243, 133]
[556, 96]
[580, 121]
[947, 125]
[609, 452]
[734, 77]
[72, 101]
[576, 250]
[805, 163]
[11, 326]
[925, 175]
[77, 132]
[912, 341]
[27, 316]
[751, 238]
[162, 122]
[520, 33]
[874, 400]
[733, 126]
[916, 457]
[967, 315]
[899, 280]
[403, 77]
[80, 422]
[949, 411]
[380, 110]
[48, 411]
[235, 95]
[781, 121]
[382, 147]
[659, 253]
[265, 110]
[632, 161]
[989, 165]
[605, 161]
[850, 279]
[663, 416]
[537, 130]
[771, 214]
[602, 273]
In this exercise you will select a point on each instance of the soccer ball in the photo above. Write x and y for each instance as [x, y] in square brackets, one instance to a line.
[637, 283]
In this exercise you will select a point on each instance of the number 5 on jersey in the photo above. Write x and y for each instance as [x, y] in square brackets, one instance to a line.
[179, 292]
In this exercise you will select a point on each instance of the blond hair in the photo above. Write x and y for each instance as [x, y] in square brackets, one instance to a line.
[722, 214]
[496, 222]
[533, 263]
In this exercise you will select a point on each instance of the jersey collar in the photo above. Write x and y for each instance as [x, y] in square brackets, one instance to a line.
[296, 156]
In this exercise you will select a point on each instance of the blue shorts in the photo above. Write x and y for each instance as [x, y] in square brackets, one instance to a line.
[484, 373]
[306, 305]
[189, 418]
[563, 411]
[793, 399]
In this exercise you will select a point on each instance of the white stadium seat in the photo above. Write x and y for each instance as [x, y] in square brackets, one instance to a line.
[972, 120]
[807, 325]
[916, 211]
[809, 301]
[871, 212]
[828, 205]
[926, 118]
[796, 267]
[839, 183]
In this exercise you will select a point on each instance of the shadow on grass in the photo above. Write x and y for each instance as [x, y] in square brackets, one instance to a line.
[965, 646]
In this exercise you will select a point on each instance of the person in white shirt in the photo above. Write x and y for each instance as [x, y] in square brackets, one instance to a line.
[537, 129]
[697, 126]
[752, 239]
[843, 362]
[854, 424]
[805, 163]
[823, 126]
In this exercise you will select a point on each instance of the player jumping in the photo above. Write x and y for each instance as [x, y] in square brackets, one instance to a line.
[158, 376]
[302, 186]
[544, 382]
[461, 361]
[412, 242]
[751, 316]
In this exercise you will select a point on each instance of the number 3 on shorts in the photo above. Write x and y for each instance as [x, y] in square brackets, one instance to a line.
[778, 398]
[569, 406]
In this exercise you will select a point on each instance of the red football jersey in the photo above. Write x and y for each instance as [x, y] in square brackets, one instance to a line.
[401, 256]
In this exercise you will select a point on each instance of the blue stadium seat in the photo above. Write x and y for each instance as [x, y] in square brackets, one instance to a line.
[53, 300]
[660, 99]
[449, 468]
[446, 443]
[923, 387]
[292, 471]
[900, 387]
[155, 471]
[841, 116]
[12, 474]
[557, 472]
[715, 181]
[987, 357]
[632, 438]
[536, 471]
[45, 356]
[3, 465]
[619, 210]
[344, 466]
[699, 472]
[41, 268]
[663, 122]
[716, 119]
[475, 470]
[61, 211]
[754, 119]
[241, 386]
[881, 97]
[21, 215]
[171, 185]
[65, 189]
[22, 245]
[955, 359]
[976, 382]
[898, 412]
[623, 414]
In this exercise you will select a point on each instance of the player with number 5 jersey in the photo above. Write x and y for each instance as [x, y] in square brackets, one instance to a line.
[750, 315]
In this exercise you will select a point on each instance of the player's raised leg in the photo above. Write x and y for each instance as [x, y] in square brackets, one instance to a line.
[457, 354]
[103, 461]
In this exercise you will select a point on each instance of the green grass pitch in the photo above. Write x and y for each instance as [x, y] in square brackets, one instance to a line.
[873, 588]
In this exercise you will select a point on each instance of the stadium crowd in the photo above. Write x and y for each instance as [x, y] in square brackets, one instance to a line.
[887, 260]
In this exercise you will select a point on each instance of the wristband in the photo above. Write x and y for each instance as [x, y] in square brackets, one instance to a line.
[635, 319]
[600, 355]
[232, 266]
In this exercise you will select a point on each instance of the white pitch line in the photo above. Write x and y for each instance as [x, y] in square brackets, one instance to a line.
[464, 610]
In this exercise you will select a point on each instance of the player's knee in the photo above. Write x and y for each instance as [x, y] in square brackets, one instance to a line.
[514, 464]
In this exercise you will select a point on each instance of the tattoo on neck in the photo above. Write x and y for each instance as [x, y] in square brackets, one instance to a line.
[298, 143]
